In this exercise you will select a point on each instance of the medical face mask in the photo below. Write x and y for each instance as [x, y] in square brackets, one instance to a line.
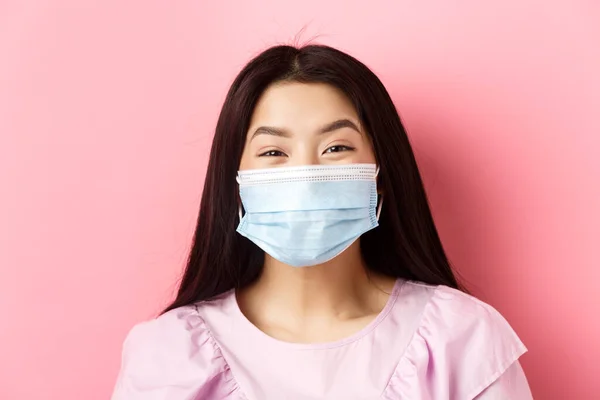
[308, 215]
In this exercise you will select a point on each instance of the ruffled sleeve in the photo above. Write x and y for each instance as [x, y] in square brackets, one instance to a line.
[173, 357]
[461, 347]
[512, 384]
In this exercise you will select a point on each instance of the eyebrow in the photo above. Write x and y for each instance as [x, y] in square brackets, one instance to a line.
[339, 124]
[333, 126]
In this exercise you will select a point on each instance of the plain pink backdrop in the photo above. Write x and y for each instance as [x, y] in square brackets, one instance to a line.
[107, 112]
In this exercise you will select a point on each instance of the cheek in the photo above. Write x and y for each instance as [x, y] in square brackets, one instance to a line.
[365, 159]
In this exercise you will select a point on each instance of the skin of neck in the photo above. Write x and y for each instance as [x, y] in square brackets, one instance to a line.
[298, 299]
[324, 288]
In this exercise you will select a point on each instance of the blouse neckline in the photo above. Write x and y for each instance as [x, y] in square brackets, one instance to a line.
[265, 339]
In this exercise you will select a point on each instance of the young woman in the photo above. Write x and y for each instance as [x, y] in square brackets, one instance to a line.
[316, 270]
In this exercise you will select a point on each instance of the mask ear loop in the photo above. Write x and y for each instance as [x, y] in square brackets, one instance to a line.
[380, 203]
[237, 179]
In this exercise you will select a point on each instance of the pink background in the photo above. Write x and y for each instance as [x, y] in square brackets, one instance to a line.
[107, 111]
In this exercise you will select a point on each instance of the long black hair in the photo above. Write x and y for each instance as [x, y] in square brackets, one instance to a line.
[406, 243]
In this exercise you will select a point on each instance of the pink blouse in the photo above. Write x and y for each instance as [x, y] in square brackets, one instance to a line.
[429, 342]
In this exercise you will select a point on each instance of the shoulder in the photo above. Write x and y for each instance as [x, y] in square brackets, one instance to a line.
[171, 356]
[170, 333]
[461, 314]
[462, 344]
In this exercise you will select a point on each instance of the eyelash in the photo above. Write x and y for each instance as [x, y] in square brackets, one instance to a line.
[277, 153]
[268, 153]
[339, 146]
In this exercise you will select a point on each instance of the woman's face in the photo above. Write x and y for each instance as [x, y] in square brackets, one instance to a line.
[304, 124]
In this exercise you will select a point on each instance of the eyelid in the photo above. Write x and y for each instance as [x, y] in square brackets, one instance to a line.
[262, 153]
[340, 141]
[346, 148]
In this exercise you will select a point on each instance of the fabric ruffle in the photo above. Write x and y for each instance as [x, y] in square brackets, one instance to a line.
[191, 367]
[461, 347]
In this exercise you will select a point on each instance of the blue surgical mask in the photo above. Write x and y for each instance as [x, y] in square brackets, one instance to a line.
[308, 215]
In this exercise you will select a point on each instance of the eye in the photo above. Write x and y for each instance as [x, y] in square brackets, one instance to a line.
[338, 149]
[272, 153]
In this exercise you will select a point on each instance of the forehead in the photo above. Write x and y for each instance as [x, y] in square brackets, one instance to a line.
[289, 104]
